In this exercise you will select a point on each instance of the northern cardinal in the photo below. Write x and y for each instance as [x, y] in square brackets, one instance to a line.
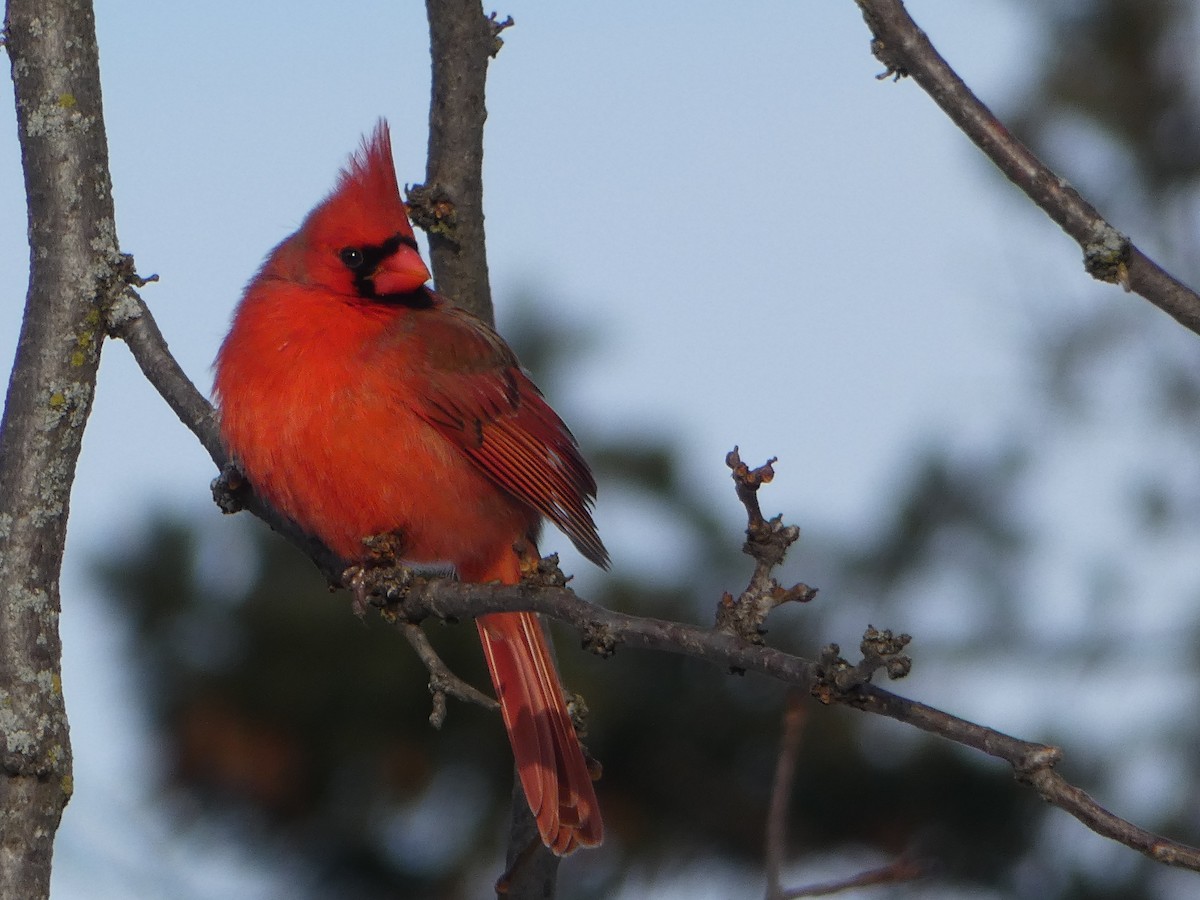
[358, 402]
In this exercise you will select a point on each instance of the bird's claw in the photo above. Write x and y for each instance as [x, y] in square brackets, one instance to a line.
[376, 586]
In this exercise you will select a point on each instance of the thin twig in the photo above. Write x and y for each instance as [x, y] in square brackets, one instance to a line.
[442, 681]
[1108, 255]
[781, 793]
[130, 320]
[767, 543]
[608, 630]
[903, 869]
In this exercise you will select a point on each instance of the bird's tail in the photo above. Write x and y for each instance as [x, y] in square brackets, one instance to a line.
[549, 759]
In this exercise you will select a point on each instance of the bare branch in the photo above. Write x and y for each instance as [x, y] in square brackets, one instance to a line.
[767, 543]
[1108, 255]
[1057, 790]
[604, 631]
[449, 205]
[898, 872]
[442, 681]
[130, 320]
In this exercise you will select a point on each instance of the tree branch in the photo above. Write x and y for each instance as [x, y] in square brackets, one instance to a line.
[449, 206]
[767, 542]
[1108, 255]
[131, 320]
[603, 631]
[442, 681]
[897, 872]
[74, 273]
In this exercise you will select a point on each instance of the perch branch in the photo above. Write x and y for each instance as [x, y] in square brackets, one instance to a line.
[1108, 255]
[603, 631]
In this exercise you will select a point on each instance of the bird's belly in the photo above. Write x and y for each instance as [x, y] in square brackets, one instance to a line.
[345, 470]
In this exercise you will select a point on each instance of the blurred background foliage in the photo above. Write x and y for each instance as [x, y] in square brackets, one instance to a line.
[304, 729]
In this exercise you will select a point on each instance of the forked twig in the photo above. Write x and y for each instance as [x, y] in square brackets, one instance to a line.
[442, 681]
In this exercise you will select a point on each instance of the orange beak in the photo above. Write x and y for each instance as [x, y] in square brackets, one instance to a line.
[400, 273]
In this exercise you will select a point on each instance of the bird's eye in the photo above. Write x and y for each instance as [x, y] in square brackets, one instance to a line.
[351, 257]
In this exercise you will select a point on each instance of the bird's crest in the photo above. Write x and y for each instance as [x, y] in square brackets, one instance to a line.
[367, 192]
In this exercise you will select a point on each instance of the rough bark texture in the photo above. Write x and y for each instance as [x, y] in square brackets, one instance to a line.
[73, 263]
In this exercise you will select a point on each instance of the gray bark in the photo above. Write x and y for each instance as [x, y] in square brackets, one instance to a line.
[74, 270]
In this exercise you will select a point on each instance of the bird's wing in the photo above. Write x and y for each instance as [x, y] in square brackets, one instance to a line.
[468, 385]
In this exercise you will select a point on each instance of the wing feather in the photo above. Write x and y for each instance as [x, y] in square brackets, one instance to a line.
[473, 392]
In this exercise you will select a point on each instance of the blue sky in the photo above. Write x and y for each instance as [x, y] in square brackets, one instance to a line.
[711, 188]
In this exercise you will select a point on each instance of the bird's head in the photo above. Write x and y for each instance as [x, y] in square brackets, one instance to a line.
[358, 241]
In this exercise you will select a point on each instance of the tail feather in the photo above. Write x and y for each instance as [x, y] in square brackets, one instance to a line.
[549, 760]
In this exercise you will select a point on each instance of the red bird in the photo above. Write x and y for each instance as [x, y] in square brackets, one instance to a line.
[358, 402]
